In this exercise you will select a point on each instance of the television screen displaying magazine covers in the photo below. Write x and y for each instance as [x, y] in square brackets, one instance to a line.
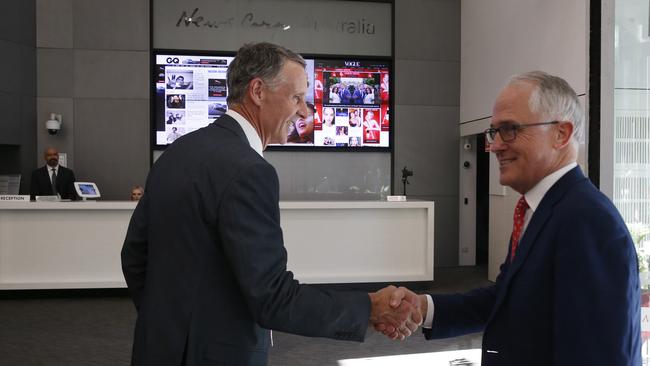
[349, 101]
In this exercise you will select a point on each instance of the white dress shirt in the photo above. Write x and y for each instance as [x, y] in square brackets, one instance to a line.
[533, 197]
[251, 134]
[49, 170]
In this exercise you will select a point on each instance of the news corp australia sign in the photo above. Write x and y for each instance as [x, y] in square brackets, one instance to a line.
[320, 27]
[252, 21]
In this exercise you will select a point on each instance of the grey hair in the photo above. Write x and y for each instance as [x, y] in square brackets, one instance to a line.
[257, 60]
[553, 99]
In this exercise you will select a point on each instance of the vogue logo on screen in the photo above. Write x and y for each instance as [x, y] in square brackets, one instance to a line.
[251, 21]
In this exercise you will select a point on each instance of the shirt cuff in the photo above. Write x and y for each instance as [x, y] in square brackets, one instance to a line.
[428, 320]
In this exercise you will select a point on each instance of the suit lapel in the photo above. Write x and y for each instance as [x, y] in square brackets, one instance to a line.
[46, 173]
[46, 179]
[535, 226]
[537, 222]
[61, 178]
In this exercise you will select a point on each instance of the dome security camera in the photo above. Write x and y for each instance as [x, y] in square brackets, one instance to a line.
[53, 125]
[467, 145]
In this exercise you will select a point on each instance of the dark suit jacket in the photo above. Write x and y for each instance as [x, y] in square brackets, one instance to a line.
[42, 186]
[346, 96]
[206, 265]
[357, 97]
[571, 295]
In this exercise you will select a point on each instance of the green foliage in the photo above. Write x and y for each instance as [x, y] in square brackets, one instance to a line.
[333, 80]
[640, 232]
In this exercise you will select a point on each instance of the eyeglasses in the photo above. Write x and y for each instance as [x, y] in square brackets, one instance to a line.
[508, 131]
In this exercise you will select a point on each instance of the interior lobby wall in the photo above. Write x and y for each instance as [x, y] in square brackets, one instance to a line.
[93, 68]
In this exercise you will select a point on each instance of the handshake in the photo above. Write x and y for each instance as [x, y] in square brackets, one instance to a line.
[397, 312]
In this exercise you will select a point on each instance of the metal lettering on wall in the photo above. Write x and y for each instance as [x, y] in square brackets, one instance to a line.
[250, 21]
[322, 27]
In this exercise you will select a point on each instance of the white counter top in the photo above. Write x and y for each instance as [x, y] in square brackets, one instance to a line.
[125, 205]
[48, 245]
[75, 205]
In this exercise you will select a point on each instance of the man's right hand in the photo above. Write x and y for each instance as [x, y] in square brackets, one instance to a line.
[395, 312]
[399, 296]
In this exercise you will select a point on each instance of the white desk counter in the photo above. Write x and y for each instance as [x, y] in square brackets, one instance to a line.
[57, 245]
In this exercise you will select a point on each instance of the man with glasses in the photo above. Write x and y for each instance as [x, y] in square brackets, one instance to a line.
[568, 289]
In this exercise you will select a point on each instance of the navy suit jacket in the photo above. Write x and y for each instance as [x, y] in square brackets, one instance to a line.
[570, 296]
[205, 262]
[346, 96]
[41, 185]
[357, 97]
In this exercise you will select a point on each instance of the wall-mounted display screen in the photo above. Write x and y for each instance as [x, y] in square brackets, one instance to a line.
[349, 101]
[352, 100]
[190, 94]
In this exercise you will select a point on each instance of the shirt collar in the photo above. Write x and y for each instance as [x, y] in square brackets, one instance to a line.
[251, 134]
[49, 168]
[534, 195]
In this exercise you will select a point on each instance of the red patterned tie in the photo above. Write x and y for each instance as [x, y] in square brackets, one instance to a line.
[518, 224]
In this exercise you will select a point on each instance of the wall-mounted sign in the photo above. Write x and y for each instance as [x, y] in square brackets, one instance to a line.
[14, 198]
[306, 26]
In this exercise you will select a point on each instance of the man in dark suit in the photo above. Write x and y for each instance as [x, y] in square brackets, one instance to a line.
[53, 179]
[568, 291]
[203, 256]
[346, 94]
[357, 95]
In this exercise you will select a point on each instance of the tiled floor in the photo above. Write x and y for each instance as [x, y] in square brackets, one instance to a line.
[97, 330]
[294, 350]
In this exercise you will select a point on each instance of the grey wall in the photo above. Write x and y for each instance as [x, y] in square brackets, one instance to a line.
[525, 44]
[314, 25]
[427, 107]
[332, 175]
[18, 88]
[94, 69]
[427, 82]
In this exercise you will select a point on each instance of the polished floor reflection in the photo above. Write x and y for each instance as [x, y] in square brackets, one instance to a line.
[466, 357]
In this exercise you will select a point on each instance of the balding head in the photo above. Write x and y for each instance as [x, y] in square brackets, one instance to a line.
[51, 156]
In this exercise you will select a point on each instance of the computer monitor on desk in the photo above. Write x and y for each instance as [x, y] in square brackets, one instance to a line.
[86, 190]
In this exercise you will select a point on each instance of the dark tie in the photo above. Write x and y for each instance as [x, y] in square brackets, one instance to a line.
[54, 182]
[518, 224]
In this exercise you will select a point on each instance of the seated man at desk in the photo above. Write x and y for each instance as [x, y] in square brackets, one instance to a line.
[53, 179]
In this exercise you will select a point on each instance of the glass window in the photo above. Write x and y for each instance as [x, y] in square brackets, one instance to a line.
[629, 133]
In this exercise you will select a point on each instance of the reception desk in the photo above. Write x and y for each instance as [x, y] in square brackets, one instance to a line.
[65, 245]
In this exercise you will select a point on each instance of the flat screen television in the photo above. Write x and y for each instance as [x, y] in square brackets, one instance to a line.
[349, 98]
[352, 103]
